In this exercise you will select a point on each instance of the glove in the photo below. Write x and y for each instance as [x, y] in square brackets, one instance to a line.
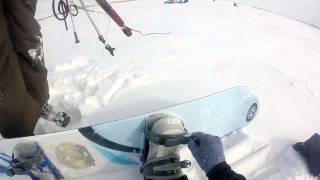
[207, 150]
[310, 150]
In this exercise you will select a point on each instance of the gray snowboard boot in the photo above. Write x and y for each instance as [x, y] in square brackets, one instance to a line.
[29, 159]
[26, 157]
[50, 113]
[165, 134]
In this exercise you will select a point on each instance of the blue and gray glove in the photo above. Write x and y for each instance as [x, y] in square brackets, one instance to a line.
[207, 150]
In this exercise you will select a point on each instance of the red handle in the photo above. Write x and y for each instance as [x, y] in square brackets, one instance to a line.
[114, 15]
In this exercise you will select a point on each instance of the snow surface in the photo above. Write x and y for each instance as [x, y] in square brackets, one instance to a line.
[213, 46]
[306, 11]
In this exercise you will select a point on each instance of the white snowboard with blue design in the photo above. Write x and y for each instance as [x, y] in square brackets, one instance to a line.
[115, 145]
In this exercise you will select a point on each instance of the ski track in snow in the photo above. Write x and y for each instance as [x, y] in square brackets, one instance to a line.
[216, 46]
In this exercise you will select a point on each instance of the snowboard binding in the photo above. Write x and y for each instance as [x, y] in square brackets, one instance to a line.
[29, 159]
[164, 134]
[165, 167]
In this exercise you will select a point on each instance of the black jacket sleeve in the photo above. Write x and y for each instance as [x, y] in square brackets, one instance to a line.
[224, 172]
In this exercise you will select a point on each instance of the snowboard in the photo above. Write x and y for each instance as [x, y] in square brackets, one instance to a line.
[112, 149]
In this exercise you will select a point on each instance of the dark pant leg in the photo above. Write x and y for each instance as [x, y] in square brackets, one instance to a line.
[19, 112]
[27, 40]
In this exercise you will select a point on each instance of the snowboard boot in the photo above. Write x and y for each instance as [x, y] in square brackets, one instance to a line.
[50, 113]
[29, 159]
[164, 136]
[26, 156]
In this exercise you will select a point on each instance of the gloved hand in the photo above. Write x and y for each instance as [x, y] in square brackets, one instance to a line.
[207, 150]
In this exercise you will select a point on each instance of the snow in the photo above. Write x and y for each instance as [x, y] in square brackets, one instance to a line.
[37, 54]
[213, 46]
[294, 9]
